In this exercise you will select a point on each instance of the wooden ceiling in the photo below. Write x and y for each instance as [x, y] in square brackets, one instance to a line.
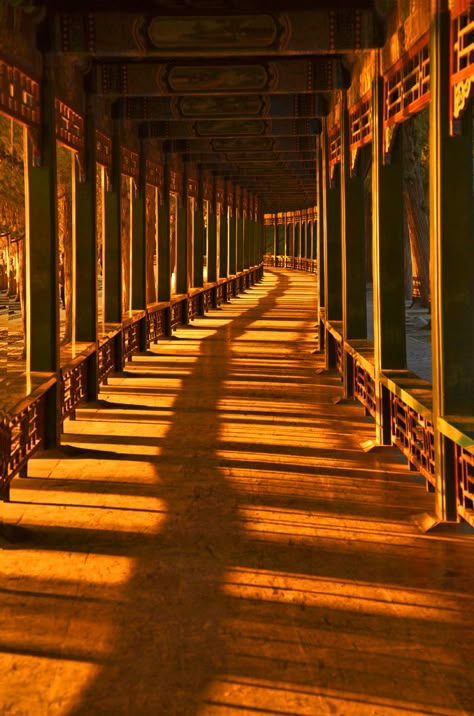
[239, 86]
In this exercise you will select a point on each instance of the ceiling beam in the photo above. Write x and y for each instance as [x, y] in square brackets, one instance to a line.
[235, 128]
[236, 107]
[297, 32]
[211, 76]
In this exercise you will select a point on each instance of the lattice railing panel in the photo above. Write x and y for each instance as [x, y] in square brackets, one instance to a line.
[339, 353]
[193, 306]
[178, 313]
[407, 86]
[131, 339]
[20, 436]
[413, 434]
[156, 325]
[73, 387]
[106, 359]
[364, 388]
[335, 146]
[360, 123]
[462, 58]
[464, 469]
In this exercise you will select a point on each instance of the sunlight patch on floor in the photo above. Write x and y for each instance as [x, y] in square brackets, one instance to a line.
[353, 596]
[231, 695]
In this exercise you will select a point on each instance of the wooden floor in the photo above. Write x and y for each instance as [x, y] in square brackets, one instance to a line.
[213, 541]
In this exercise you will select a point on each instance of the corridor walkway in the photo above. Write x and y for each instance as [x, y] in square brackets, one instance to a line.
[212, 541]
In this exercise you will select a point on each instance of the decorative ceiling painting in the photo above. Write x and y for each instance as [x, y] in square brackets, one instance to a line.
[236, 86]
[222, 34]
[215, 79]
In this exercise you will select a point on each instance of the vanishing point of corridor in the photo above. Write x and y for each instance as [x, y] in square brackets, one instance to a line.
[212, 540]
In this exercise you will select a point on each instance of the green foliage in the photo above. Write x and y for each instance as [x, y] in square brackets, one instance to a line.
[12, 188]
[421, 125]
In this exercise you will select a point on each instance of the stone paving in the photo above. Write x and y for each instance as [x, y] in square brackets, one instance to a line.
[211, 540]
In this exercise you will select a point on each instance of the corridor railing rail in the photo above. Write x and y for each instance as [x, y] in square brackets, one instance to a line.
[291, 262]
[407, 412]
[23, 423]
[406, 404]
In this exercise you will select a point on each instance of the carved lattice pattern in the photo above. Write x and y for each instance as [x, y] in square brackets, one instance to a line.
[73, 387]
[338, 352]
[131, 339]
[19, 95]
[360, 123]
[193, 306]
[129, 164]
[413, 434]
[406, 88]
[178, 313]
[69, 126]
[364, 388]
[156, 325]
[103, 150]
[462, 56]
[334, 146]
[106, 359]
[464, 467]
[20, 436]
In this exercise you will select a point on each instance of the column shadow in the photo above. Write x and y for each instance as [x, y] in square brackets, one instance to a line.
[169, 646]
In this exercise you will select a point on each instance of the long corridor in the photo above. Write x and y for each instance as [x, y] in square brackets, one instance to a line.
[212, 540]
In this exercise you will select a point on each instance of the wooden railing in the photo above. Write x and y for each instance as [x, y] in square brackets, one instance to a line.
[131, 334]
[291, 262]
[22, 433]
[22, 428]
[74, 381]
[155, 323]
[407, 401]
[464, 471]
[364, 388]
[107, 354]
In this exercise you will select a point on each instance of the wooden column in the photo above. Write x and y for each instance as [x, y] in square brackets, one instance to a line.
[280, 235]
[164, 275]
[212, 237]
[86, 252]
[272, 229]
[224, 247]
[194, 221]
[452, 265]
[182, 273]
[239, 229]
[332, 246]
[112, 239]
[199, 235]
[257, 233]
[232, 229]
[250, 232]
[244, 239]
[333, 250]
[139, 238]
[387, 258]
[354, 304]
[297, 243]
[320, 235]
[138, 287]
[43, 260]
